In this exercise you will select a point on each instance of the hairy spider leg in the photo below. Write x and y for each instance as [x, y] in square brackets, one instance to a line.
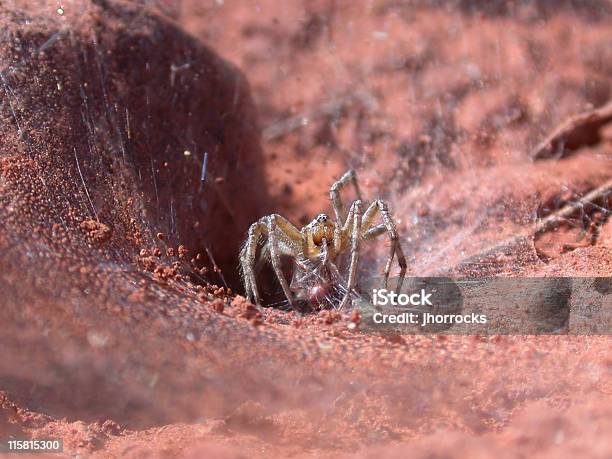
[275, 227]
[353, 217]
[247, 260]
[368, 232]
[275, 222]
[334, 192]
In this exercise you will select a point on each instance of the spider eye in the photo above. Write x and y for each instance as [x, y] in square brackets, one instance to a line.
[322, 218]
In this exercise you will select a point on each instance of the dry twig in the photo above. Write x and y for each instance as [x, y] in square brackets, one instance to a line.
[579, 130]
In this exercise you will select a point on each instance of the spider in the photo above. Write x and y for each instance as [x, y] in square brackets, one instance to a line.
[320, 242]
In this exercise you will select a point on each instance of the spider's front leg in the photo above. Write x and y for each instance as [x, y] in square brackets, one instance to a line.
[293, 236]
[247, 260]
[368, 231]
[353, 219]
[276, 228]
[334, 192]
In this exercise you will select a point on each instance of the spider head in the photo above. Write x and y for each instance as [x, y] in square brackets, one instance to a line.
[322, 227]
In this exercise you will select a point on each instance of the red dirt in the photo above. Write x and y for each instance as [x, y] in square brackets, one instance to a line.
[116, 333]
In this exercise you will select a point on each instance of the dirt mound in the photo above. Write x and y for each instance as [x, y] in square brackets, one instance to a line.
[124, 119]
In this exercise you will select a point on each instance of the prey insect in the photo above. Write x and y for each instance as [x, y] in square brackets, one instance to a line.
[316, 247]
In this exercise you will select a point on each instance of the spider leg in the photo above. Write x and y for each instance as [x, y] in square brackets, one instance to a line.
[275, 222]
[275, 228]
[374, 232]
[334, 192]
[247, 260]
[355, 213]
[368, 232]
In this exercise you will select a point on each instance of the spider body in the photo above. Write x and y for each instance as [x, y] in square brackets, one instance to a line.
[317, 245]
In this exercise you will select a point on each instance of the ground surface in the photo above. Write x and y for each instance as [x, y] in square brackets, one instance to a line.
[111, 338]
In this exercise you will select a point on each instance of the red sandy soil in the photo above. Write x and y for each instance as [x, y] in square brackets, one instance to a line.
[115, 335]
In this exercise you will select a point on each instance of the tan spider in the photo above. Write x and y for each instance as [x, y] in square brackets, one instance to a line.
[320, 242]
